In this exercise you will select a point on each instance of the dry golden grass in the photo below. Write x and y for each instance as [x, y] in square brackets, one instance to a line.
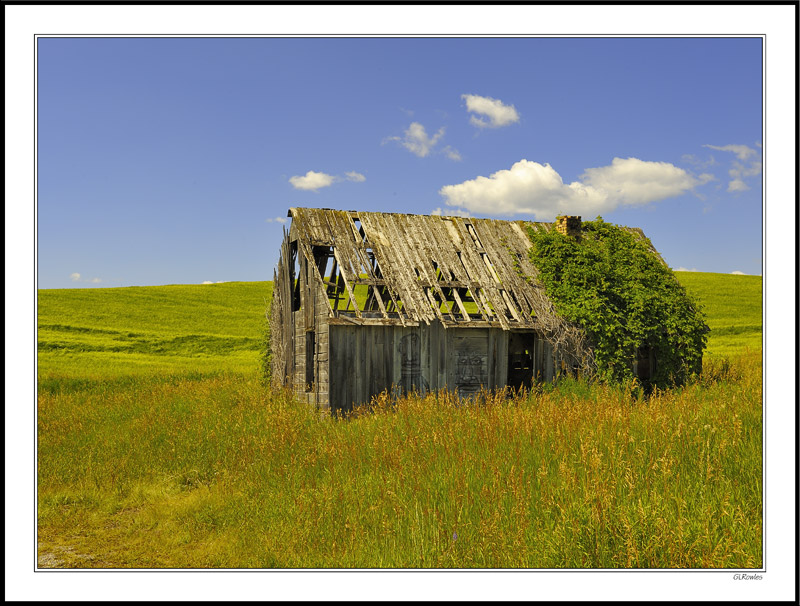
[220, 472]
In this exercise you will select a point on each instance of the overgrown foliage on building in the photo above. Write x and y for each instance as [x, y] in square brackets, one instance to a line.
[611, 284]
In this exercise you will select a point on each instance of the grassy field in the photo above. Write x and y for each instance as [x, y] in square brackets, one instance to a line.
[733, 308]
[150, 330]
[159, 447]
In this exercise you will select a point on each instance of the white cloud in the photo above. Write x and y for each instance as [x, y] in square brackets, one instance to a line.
[312, 181]
[76, 277]
[457, 212]
[282, 220]
[354, 176]
[416, 139]
[742, 151]
[749, 171]
[498, 113]
[699, 163]
[738, 273]
[452, 153]
[537, 189]
[684, 269]
[739, 169]
[633, 181]
[738, 185]
[207, 282]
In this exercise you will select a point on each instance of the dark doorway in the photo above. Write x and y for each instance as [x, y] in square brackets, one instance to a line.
[644, 364]
[520, 359]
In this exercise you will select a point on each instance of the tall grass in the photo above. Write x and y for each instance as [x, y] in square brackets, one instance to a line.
[159, 446]
[220, 472]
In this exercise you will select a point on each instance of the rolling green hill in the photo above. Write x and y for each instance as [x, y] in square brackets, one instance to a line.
[95, 333]
[732, 305]
[156, 330]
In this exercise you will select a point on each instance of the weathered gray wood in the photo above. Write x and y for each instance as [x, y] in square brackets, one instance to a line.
[379, 244]
[364, 261]
[418, 231]
[400, 261]
[433, 356]
[361, 366]
[468, 360]
[411, 331]
[491, 361]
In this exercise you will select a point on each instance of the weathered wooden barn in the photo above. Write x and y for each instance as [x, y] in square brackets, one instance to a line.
[365, 301]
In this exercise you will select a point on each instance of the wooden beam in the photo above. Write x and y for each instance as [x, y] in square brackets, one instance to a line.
[349, 321]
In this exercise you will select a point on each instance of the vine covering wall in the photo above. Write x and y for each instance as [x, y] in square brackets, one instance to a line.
[610, 283]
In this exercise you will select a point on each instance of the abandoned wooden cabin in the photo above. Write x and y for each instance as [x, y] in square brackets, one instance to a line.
[365, 301]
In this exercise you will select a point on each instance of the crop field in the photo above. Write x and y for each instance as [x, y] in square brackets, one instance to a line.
[95, 334]
[159, 446]
[733, 308]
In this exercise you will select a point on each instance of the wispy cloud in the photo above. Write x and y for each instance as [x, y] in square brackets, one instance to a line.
[699, 163]
[742, 151]
[737, 185]
[498, 113]
[738, 273]
[456, 212]
[313, 181]
[416, 140]
[537, 189]
[76, 277]
[282, 220]
[207, 282]
[354, 176]
[684, 269]
[747, 164]
[451, 153]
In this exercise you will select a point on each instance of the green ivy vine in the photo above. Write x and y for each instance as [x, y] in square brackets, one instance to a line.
[611, 284]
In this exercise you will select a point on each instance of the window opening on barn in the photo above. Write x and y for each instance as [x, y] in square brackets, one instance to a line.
[373, 262]
[452, 303]
[333, 286]
[294, 264]
[310, 350]
[359, 228]
[322, 254]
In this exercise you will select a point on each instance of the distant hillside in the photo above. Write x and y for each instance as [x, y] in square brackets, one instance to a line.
[138, 330]
[108, 332]
[733, 308]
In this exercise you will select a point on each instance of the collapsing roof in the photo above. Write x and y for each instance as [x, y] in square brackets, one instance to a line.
[408, 269]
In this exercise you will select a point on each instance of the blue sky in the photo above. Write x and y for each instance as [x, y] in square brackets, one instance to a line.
[174, 161]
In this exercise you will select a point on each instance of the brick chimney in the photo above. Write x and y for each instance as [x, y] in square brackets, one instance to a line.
[569, 225]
